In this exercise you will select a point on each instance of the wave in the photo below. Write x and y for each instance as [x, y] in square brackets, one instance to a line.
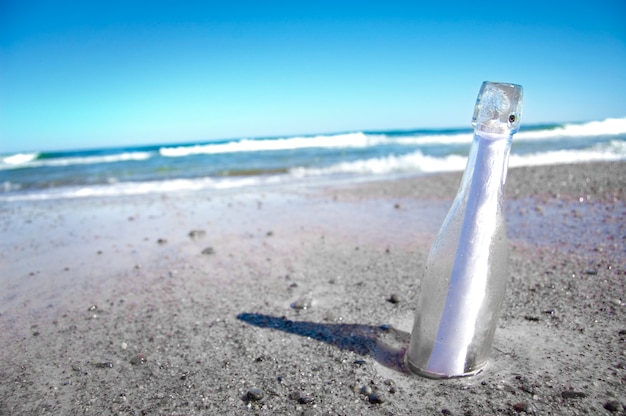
[607, 127]
[31, 160]
[142, 188]
[419, 163]
[604, 152]
[357, 139]
[414, 162]
[17, 159]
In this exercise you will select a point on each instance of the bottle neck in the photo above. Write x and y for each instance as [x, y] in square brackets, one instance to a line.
[487, 163]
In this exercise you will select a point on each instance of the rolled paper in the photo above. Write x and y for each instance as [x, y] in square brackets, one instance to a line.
[468, 281]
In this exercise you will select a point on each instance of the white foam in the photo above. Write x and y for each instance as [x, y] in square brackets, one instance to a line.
[608, 127]
[142, 188]
[456, 138]
[17, 159]
[416, 162]
[413, 162]
[68, 161]
[247, 145]
[613, 151]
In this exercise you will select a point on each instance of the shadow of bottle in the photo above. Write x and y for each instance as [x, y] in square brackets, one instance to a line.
[384, 343]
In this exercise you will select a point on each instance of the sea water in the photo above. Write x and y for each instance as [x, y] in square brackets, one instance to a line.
[245, 162]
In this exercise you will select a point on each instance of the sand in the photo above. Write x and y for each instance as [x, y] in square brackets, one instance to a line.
[291, 300]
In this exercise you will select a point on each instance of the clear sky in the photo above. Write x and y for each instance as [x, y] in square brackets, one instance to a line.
[81, 74]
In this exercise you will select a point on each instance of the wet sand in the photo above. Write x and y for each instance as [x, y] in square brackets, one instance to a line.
[287, 300]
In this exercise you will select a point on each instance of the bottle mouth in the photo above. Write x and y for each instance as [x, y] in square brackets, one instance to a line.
[498, 108]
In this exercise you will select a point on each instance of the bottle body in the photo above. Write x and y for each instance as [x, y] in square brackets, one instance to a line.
[465, 277]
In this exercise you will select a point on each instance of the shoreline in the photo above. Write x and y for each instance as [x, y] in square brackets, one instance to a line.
[198, 303]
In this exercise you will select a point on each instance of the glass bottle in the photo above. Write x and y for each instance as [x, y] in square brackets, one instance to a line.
[466, 272]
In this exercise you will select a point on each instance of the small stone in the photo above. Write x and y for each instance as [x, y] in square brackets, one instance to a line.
[92, 308]
[255, 394]
[591, 272]
[359, 362]
[375, 398]
[394, 298]
[570, 394]
[304, 302]
[521, 407]
[208, 251]
[138, 359]
[366, 390]
[195, 234]
[306, 399]
[446, 412]
[103, 364]
[612, 405]
[161, 241]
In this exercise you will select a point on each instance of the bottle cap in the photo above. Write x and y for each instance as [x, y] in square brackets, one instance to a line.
[498, 108]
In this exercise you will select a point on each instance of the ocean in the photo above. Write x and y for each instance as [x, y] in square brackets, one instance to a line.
[246, 162]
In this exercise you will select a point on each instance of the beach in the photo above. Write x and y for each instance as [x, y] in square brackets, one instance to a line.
[283, 299]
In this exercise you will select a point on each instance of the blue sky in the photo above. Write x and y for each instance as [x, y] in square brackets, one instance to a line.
[88, 74]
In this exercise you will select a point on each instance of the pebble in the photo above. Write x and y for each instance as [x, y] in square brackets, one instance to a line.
[208, 251]
[306, 399]
[521, 407]
[138, 359]
[255, 394]
[162, 241]
[375, 398]
[612, 405]
[195, 234]
[104, 364]
[304, 302]
[394, 298]
[570, 394]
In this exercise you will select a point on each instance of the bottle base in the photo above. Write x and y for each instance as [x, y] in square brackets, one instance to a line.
[439, 376]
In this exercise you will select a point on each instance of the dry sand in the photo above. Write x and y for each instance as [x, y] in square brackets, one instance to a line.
[292, 301]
